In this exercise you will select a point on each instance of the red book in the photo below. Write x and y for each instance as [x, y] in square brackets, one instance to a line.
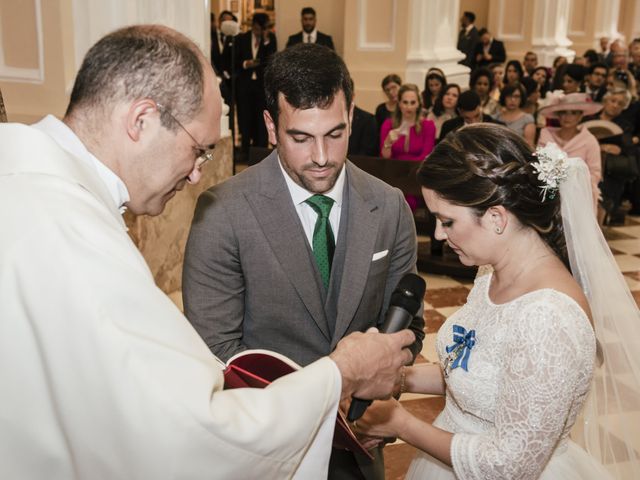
[258, 368]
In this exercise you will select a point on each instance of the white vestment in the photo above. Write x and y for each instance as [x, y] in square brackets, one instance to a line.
[101, 376]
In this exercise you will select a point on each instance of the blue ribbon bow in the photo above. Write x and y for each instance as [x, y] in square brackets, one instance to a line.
[463, 343]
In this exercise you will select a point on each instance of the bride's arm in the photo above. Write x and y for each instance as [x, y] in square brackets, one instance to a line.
[424, 378]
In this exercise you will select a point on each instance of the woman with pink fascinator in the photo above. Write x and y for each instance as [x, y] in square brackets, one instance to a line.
[570, 137]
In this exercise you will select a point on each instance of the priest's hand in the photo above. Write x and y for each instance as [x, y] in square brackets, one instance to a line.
[370, 362]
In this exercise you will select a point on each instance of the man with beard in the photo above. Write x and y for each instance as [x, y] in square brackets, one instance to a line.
[303, 248]
[310, 33]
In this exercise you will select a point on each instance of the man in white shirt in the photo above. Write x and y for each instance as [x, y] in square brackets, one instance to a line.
[310, 33]
[101, 376]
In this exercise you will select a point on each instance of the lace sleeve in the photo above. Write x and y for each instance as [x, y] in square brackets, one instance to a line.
[548, 363]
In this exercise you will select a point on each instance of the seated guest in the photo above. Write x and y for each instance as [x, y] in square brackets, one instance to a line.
[512, 99]
[445, 107]
[570, 137]
[488, 50]
[596, 84]
[613, 147]
[541, 75]
[481, 82]
[557, 72]
[407, 136]
[434, 82]
[390, 86]
[497, 70]
[532, 96]
[572, 78]
[590, 57]
[530, 63]
[364, 133]
[469, 112]
[513, 72]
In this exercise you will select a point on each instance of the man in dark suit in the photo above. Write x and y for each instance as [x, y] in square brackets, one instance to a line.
[221, 52]
[310, 33]
[596, 84]
[468, 37]
[298, 251]
[488, 50]
[469, 112]
[252, 51]
[364, 134]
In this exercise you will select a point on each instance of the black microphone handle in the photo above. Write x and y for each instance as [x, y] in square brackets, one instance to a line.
[396, 319]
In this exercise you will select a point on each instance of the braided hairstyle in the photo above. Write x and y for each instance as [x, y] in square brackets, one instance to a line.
[484, 165]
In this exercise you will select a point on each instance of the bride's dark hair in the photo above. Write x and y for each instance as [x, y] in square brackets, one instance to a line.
[485, 165]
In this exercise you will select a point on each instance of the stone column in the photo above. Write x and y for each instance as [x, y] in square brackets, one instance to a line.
[550, 29]
[432, 38]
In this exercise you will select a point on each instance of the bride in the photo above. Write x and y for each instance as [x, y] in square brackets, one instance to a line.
[518, 359]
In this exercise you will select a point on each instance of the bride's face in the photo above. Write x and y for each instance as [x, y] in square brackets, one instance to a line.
[469, 236]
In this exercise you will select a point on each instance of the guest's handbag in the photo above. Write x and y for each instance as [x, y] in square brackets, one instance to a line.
[621, 166]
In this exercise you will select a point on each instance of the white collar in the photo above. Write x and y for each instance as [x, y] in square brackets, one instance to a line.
[313, 35]
[300, 195]
[69, 141]
[469, 27]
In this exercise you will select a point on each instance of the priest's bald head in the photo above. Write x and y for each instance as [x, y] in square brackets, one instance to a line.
[146, 103]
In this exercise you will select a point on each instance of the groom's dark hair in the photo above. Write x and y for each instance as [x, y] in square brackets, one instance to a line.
[308, 76]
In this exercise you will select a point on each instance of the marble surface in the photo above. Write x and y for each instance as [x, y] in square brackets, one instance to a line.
[162, 239]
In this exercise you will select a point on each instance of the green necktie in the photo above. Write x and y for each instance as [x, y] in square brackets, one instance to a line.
[323, 242]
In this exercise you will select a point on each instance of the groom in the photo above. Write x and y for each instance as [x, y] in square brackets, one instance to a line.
[304, 248]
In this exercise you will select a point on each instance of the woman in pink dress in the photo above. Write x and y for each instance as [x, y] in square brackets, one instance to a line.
[570, 137]
[406, 135]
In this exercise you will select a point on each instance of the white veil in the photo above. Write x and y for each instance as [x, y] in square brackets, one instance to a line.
[611, 427]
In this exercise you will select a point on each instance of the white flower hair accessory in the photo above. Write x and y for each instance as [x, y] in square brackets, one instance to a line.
[551, 168]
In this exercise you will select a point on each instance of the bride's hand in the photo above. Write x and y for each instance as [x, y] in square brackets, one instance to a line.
[383, 419]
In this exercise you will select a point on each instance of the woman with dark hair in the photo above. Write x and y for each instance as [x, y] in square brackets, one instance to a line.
[434, 82]
[481, 82]
[513, 72]
[517, 361]
[512, 98]
[532, 95]
[541, 75]
[572, 78]
[390, 86]
[445, 107]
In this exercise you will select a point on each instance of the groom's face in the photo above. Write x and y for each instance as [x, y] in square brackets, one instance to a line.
[312, 143]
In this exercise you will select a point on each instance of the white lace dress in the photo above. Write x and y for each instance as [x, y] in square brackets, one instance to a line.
[527, 376]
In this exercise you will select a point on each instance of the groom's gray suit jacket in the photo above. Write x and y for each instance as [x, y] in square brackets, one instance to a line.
[250, 279]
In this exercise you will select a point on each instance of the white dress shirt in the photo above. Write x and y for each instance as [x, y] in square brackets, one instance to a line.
[307, 214]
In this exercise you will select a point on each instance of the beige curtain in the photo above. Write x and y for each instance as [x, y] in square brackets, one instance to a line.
[3, 113]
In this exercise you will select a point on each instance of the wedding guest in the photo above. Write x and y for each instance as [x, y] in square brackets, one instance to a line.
[572, 78]
[596, 84]
[468, 37]
[516, 362]
[497, 70]
[570, 137]
[390, 86]
[591, 57]
[541, 75]
[530, 62]
[434, 81]
[481, 82]
[532, 96]
[488, 50]
[445, 107]
[513, 72]
[408, 136]
[512, 99]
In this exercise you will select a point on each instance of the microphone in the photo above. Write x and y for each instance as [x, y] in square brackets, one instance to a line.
[405, 303]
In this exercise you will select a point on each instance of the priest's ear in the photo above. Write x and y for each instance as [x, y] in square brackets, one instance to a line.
[140, 115]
